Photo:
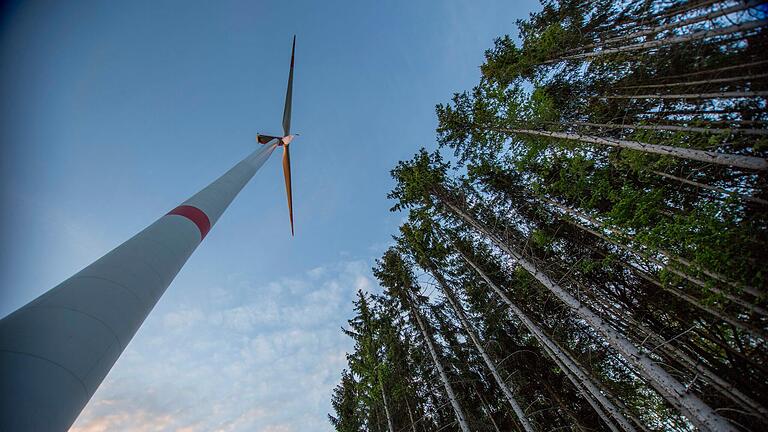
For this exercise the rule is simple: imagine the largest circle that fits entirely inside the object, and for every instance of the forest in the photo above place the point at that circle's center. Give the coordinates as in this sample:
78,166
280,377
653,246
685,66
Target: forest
585,247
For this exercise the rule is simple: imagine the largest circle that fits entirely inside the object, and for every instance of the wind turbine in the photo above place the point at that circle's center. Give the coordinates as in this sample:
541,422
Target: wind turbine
56,350
285,140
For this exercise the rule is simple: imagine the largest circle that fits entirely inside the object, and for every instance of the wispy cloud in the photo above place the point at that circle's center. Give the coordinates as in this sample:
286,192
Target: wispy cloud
265,359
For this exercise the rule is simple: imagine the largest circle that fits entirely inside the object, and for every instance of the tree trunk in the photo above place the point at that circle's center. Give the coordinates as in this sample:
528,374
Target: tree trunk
685,7
725,68
725,388
668,256
729,131
712,188
749,25
699,413
747,162
677,24
693,83
713,95
696,112
460,417
487,410
580,387
410,415
453,300
574,371
390,424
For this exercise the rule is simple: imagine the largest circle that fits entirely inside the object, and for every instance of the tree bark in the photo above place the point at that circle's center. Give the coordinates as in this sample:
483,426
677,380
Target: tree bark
693,83
677,24
410,415
698,412
574,371
667,255
713,95
390,424
453,300
725,388
746,162
729,131
695,112
721,69
460,417
686,7
749,25
712,188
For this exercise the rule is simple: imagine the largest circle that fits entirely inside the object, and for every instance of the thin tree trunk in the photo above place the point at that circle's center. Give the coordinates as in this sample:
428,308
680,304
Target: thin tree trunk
460,417
453,300
574,371
712,188
693,20
701,112
747,162
749,25
487,410
729,131
732,122
670,257
410,415
725,388
757,332
725,68
712,95
686,7
566,411
698,412
693,83
378,420
580,387
390,425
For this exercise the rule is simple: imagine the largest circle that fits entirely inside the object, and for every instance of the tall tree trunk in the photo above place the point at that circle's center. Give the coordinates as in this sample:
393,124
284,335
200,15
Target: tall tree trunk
711,95
712,188
693,83
390,424
696,112
729,131
581,388
676,24
679,10
747,162
453,300
749,25
756,332
727,389
698,412
410,415
668,256
574,371
487,410
721,69
460,417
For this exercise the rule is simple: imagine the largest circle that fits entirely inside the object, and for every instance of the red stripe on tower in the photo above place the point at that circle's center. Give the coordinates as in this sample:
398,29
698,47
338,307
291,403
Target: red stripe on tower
197,216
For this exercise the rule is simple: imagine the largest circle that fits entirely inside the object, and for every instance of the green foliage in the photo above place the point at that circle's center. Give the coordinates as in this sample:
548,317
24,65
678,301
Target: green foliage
417,179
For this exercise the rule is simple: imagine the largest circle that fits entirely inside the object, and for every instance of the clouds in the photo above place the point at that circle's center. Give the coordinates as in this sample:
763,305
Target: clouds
255,358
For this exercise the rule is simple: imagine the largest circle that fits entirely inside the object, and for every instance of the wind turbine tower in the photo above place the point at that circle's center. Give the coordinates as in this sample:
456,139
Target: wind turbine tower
56,350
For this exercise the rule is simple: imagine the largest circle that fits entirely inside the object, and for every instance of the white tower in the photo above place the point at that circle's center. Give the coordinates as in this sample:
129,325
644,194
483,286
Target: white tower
57,349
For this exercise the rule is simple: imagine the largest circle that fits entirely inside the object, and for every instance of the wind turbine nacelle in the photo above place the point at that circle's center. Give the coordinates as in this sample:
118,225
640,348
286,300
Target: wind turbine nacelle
266,139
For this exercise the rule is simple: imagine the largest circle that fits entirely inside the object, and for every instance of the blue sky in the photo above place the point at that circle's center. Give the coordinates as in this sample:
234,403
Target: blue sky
115,112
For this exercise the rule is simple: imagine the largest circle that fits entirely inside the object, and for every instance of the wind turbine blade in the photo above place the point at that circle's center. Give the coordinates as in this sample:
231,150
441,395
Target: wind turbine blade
287,175
289,95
